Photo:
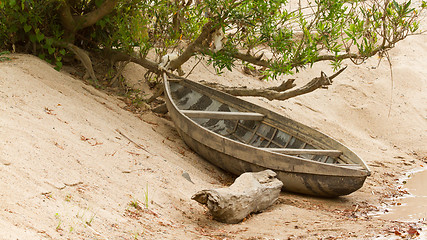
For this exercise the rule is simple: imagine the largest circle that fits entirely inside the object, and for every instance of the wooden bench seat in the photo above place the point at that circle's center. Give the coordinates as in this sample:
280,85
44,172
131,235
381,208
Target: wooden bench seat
292,151
223,115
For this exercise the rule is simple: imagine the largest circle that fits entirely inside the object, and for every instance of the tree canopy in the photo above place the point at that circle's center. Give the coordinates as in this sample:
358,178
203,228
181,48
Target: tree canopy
273,37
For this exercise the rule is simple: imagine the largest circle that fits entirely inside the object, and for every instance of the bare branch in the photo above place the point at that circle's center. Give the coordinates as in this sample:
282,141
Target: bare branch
251,59
251,92
117,56
283,92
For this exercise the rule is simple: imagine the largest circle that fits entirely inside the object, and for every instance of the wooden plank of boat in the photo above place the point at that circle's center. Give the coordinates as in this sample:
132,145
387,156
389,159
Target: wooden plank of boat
174,79
223,115
290,151
352,166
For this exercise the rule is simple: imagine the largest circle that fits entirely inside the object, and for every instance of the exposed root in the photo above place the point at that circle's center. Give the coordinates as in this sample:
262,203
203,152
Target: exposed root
84,59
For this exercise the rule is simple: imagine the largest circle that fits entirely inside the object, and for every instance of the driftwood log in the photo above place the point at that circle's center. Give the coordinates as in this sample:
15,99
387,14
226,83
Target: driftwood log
251,192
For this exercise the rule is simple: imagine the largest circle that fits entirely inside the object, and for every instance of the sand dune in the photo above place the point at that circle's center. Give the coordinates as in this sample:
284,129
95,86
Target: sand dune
75,165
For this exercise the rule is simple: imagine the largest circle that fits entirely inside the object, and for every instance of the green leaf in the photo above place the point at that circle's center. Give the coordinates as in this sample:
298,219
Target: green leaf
2,59
33,38
39,36
98,3
49,41
101,23
58,66
13,28
22,19
62,51
51,50
27,28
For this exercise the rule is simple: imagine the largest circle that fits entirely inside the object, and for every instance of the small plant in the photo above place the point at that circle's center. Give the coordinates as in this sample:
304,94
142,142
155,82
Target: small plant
146,197
89,222
2,59
137,235
58,227
82,217
134,203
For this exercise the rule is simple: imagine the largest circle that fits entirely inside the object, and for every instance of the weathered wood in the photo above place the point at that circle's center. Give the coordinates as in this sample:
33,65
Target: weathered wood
251,192
161,109
282,92
174,80
353,166
235,148
291,151
223,115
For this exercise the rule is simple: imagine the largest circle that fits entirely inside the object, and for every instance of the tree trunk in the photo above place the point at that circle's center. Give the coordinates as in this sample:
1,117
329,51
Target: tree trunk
72,23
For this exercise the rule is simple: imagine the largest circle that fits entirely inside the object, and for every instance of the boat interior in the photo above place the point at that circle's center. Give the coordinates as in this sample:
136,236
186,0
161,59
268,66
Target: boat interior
245,127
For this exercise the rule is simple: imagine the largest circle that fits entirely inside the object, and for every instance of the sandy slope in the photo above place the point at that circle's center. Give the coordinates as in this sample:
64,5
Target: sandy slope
72,160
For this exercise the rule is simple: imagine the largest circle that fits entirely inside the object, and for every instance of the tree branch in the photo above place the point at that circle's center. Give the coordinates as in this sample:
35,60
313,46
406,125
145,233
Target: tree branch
267,63
207,30
282,92
251,59
67,19
91,18
117,56
72,23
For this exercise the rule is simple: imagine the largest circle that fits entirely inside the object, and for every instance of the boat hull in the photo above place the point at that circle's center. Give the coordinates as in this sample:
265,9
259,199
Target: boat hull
297,175
310,184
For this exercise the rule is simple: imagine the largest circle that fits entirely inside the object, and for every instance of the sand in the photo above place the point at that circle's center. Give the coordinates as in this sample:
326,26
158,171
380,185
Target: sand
75,164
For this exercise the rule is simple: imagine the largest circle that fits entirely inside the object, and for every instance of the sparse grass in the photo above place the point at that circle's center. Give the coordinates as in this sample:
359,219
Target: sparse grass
89,222
58,227
137,235
146,200
135,99
134,203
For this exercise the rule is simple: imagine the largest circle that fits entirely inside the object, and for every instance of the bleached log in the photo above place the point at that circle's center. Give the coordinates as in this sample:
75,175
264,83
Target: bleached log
251,192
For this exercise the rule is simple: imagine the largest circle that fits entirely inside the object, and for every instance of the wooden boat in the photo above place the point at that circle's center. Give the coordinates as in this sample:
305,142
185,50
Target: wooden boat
239,137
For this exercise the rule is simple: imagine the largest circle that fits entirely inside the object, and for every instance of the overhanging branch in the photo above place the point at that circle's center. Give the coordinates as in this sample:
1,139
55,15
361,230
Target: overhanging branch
91,18
283,92
72,23
193,47
252,59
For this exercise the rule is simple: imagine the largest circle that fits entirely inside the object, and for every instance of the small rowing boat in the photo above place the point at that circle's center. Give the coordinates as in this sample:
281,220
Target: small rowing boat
239,137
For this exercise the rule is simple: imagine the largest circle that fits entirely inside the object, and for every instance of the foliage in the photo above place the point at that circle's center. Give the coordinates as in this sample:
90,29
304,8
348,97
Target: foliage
281,37
24,24
4,58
